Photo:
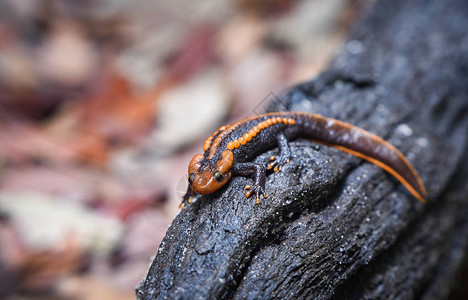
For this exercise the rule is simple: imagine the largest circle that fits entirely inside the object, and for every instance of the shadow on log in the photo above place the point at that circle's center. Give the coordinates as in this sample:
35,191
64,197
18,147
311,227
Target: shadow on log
334,226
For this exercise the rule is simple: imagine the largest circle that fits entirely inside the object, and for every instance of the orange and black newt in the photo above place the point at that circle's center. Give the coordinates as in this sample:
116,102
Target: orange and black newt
230,149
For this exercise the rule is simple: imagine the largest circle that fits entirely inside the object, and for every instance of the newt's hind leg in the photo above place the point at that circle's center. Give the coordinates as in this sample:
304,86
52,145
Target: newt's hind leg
277,162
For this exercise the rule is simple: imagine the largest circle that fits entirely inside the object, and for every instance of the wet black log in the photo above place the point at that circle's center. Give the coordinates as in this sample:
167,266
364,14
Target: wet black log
334,226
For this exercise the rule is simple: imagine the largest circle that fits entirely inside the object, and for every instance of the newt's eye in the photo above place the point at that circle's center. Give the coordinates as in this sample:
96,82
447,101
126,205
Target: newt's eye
191,178
218,176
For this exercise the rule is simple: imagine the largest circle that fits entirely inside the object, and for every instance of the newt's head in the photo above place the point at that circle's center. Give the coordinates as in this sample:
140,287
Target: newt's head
205,177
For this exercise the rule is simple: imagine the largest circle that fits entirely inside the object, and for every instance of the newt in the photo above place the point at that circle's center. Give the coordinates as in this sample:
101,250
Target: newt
229,150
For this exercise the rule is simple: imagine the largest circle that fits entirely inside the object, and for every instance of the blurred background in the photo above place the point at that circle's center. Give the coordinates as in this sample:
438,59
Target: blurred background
103,104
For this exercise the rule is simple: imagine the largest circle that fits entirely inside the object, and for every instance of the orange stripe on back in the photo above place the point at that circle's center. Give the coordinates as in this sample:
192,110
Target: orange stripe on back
247,137
230,128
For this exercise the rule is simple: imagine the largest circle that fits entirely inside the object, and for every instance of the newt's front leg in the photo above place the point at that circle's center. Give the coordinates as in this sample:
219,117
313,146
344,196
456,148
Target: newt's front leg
248,168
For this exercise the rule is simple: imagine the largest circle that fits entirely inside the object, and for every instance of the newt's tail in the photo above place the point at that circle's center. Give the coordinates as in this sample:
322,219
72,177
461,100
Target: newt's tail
370,147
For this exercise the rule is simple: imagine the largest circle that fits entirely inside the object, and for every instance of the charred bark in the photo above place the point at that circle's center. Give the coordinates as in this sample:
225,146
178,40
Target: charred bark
334,226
